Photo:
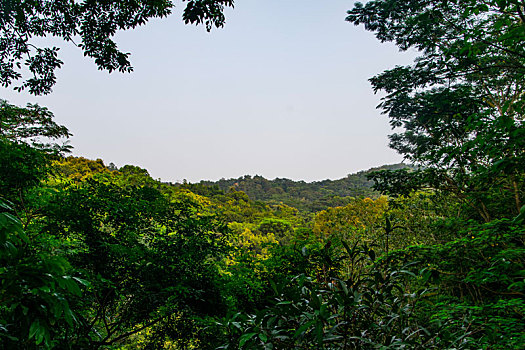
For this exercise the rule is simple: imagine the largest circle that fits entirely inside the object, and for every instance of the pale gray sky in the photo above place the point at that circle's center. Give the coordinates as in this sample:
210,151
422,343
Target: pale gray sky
280,91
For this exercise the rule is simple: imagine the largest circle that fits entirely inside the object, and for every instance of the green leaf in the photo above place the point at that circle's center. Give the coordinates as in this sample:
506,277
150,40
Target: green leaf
70,285
245,337
300,331
263,337
83,282
34,328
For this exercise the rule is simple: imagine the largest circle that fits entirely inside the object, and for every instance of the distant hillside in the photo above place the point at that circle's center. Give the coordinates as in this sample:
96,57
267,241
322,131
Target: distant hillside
305,196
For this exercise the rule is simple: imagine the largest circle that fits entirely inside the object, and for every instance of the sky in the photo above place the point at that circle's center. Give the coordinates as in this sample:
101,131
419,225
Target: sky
281,91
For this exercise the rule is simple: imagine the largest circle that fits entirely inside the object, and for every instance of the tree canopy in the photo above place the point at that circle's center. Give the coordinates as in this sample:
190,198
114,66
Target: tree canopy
460,106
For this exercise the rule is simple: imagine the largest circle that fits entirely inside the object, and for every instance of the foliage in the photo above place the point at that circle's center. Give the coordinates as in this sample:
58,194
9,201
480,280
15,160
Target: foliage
30,125
28,143
461,103
150,258
480,284
78,168
362,311
89,24
307,197
159,266
36,288
21,168
255,242
357,221
92,256
461,109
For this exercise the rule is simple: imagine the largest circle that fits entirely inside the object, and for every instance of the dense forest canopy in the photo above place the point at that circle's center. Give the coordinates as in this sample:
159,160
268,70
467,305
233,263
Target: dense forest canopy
312,197
432,257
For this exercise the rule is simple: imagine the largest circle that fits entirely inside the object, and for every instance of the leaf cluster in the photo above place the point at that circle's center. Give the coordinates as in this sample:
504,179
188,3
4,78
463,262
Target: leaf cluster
89,24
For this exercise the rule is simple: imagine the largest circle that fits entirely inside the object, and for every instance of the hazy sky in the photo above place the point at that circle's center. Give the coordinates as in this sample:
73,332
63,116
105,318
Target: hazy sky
280,91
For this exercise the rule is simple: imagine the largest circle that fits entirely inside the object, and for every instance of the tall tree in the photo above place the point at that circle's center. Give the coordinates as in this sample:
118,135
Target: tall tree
36,285
29,139
460,104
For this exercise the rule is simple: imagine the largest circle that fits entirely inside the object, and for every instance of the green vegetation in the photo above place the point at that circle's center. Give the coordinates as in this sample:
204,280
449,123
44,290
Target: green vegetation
310,197
433,257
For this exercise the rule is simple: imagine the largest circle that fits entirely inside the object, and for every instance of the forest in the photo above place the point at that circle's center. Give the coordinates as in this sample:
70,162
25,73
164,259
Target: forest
429,254
305,196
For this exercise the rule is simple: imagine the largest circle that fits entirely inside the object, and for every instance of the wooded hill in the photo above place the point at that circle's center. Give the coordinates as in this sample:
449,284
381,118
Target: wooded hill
305,196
